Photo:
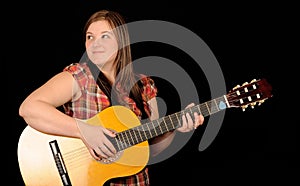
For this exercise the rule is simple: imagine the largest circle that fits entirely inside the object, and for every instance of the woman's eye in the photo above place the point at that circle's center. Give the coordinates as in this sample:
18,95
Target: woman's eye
105,36
88,37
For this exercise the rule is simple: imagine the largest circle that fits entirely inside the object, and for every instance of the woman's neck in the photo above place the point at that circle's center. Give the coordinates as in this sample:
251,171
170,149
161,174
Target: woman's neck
109,72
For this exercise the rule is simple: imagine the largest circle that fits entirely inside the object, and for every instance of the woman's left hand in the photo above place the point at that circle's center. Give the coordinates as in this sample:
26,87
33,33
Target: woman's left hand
188,123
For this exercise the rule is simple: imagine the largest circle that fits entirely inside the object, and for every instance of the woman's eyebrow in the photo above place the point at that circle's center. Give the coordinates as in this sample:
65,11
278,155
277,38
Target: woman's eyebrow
107,32
104,32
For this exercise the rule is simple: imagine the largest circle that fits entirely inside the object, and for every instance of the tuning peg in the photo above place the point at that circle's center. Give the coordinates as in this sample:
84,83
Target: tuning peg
253,104
260,102
253,80
246,83
244,107
236,87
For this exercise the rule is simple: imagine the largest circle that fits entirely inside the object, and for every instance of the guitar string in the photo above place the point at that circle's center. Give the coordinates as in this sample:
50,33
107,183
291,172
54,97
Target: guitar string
163,127
77,157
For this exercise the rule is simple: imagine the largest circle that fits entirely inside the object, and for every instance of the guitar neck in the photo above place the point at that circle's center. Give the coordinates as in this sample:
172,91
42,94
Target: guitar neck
133,136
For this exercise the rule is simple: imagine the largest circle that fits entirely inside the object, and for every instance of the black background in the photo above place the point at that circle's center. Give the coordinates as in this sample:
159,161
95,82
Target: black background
249,40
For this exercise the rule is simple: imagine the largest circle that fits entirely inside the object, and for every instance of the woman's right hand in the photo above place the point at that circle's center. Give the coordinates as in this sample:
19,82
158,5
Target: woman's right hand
94,138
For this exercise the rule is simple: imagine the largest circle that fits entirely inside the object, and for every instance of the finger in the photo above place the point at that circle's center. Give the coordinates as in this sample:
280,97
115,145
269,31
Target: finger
201,119
94,154
190,122
109,132
187,123
107,143
190,105
182,128
102,152
106,152
109,151
184,122
197,120
108,147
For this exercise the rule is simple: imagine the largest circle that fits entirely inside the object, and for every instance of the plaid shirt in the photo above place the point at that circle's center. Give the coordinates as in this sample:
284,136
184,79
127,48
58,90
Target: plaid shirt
93,100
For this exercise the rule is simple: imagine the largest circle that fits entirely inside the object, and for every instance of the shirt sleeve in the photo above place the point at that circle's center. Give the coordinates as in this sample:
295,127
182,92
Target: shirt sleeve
71,68
149,88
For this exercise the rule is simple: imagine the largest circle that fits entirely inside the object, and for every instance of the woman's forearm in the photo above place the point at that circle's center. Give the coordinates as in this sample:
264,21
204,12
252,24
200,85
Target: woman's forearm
48,119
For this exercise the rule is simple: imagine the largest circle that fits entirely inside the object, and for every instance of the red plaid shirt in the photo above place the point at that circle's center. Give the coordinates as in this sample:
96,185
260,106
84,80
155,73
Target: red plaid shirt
93,100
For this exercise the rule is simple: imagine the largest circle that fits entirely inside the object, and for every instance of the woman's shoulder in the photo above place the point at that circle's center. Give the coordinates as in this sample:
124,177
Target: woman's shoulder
76,67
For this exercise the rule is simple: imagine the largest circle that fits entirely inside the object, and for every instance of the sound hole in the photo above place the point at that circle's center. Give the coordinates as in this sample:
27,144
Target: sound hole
111,159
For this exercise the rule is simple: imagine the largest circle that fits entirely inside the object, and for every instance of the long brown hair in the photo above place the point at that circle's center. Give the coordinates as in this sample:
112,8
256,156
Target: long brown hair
123,62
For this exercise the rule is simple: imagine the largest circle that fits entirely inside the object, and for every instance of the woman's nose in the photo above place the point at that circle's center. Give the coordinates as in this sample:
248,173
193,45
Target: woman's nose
97,42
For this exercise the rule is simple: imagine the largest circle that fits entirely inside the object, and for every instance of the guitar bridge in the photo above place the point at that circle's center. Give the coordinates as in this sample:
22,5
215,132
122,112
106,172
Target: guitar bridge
60,163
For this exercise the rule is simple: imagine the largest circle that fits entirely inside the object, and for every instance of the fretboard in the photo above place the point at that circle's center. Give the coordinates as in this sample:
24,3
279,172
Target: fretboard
143,132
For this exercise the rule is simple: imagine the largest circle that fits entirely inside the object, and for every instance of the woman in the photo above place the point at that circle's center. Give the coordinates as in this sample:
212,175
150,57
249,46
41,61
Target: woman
84,89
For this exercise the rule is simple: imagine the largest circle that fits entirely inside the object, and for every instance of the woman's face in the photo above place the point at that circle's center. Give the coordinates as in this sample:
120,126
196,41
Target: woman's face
101,44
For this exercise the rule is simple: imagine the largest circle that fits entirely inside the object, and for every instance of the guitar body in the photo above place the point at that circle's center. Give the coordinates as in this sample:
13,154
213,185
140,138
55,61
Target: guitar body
38,166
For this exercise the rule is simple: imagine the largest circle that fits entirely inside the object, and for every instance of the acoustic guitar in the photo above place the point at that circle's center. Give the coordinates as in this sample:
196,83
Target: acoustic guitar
48,160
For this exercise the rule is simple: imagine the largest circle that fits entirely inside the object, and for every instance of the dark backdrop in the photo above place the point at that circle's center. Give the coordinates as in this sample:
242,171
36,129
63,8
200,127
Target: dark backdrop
248,40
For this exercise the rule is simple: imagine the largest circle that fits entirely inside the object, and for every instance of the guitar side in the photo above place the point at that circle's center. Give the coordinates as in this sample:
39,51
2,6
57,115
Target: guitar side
38,168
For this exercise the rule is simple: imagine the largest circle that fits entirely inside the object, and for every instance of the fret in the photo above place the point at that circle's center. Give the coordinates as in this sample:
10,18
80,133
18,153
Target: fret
127,137
192,110
160,122
167,123
207,108
204,109
178,119
130,139
215,101
146,132
212,108
199,110
141,138
159,125
178,124
188,110
117,141
173,126
227,103
141,135
123,140
149,130
131,136
145,135
149,134
154,127
135,137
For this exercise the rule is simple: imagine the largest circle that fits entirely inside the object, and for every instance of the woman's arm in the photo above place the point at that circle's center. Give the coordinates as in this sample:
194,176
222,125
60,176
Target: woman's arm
160,143
39,109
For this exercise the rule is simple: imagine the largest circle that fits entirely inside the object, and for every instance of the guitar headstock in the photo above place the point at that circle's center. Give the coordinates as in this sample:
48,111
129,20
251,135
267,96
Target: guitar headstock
249,94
